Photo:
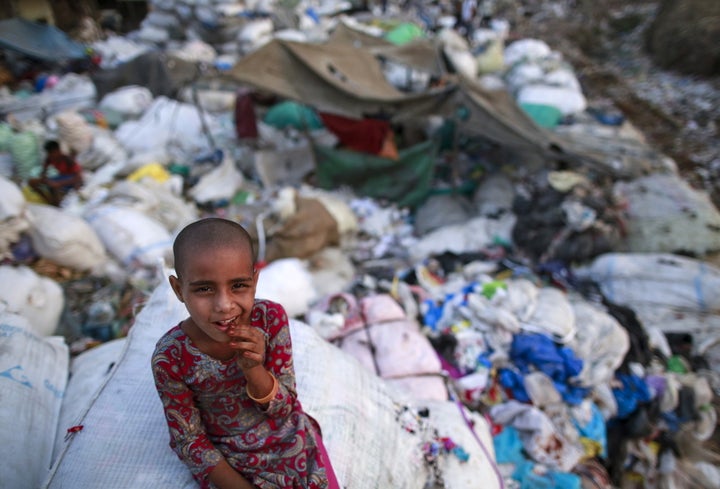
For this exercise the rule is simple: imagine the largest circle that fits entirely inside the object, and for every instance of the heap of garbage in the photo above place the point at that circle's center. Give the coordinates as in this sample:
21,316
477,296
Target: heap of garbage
445,206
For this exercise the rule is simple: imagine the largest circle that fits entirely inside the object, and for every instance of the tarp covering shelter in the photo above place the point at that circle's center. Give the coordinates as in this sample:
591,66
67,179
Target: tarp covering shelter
40,41
405,181
341,78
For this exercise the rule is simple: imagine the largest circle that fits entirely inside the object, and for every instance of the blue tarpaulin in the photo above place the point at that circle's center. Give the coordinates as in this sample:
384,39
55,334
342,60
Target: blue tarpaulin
41,41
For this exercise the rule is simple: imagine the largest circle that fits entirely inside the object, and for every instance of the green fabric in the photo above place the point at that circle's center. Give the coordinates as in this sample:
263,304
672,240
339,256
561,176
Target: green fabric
489,289
544,115
6,134
404,33
405,181
676,364
292,114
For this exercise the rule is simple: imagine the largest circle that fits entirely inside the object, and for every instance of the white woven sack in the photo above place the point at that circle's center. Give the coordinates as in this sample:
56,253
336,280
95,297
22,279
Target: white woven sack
38,299
129,235
130,100
451,421
12,201
125,431
566,100
665,214
65,238
104,149
167,122
156,200
660,279
33,375
88,373
526,50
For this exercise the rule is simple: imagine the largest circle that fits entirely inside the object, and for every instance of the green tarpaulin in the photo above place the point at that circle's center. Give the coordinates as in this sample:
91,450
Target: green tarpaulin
405,181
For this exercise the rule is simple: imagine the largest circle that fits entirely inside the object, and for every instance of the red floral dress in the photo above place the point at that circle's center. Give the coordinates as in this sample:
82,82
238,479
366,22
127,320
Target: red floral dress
211,417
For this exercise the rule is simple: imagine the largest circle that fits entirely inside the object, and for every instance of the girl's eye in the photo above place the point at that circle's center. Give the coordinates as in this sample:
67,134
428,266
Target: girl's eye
239,285
202,289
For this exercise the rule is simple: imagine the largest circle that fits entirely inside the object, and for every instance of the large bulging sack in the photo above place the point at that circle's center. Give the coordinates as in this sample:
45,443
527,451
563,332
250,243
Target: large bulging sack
372,433
12,201
13,219
666,215
38,299
131,236
33,375
64,238
130,100
389,344
87,373
661,280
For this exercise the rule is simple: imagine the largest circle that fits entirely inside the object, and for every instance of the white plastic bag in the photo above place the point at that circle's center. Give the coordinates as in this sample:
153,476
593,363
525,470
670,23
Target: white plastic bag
219,183
38,299
289,282
130,100
64,238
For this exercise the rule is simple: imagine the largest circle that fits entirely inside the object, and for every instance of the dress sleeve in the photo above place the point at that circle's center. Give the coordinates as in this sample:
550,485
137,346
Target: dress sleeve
188,438
279,359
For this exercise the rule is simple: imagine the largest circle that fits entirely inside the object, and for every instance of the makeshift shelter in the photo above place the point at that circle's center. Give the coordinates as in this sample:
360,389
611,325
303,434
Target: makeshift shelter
344,76
347,80
40,41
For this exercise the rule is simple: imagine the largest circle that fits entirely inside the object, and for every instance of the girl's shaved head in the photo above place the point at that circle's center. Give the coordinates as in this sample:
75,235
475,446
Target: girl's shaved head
205,234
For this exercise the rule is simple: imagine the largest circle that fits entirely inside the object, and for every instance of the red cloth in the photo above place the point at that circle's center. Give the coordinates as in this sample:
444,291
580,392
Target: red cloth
364,135
65,165
245,118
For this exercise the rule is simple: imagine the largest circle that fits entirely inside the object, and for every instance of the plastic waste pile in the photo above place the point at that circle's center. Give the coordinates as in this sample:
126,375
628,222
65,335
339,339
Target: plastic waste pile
570,313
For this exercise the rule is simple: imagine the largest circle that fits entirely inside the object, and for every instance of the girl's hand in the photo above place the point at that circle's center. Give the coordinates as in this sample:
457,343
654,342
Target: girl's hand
250,343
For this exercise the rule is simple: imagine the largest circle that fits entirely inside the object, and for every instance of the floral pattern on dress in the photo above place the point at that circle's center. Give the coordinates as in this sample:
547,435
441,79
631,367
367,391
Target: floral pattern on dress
210,415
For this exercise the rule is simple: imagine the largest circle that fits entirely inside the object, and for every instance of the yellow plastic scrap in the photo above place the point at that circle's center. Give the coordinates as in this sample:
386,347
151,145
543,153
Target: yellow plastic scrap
156,171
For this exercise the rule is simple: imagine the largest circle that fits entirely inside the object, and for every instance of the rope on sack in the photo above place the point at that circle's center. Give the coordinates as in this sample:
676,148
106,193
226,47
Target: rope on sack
454,397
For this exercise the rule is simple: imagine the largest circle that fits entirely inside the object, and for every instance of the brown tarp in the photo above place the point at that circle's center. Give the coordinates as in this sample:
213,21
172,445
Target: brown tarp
346,80
345,77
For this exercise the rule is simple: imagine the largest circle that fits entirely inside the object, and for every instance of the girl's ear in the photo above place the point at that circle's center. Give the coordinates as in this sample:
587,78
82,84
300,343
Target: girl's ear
176,286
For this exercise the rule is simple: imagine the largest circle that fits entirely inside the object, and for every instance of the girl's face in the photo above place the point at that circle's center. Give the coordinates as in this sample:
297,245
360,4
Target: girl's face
218,289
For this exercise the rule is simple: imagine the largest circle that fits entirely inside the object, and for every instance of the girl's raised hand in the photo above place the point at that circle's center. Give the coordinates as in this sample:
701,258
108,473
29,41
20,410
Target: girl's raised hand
250,344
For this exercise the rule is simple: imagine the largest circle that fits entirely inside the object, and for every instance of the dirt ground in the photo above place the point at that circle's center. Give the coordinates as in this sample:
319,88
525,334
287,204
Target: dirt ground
604,42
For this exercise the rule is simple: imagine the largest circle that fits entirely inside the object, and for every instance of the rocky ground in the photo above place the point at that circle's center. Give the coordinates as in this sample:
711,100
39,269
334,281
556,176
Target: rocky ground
604,40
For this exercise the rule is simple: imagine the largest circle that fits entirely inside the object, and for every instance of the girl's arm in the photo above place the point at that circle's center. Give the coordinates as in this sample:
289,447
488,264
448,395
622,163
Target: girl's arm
187,437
